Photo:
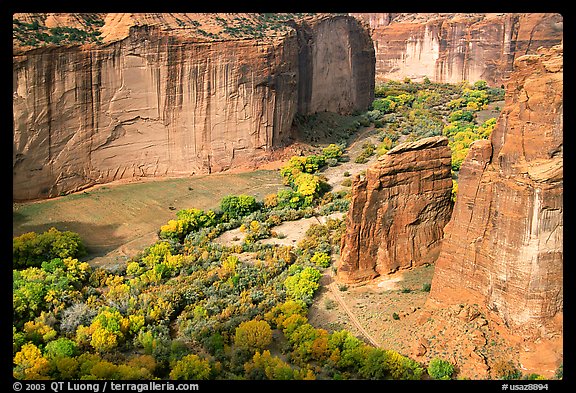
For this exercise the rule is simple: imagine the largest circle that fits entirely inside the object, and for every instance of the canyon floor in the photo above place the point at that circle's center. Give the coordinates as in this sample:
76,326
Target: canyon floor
120,219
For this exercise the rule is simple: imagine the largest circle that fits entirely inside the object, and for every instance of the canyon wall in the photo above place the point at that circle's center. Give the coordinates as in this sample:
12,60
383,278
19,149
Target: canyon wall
155,100
455,47
503,247
336,66
398,211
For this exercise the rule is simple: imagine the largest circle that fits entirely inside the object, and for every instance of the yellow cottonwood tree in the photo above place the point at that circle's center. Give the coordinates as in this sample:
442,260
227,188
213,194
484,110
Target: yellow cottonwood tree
253,335
30,364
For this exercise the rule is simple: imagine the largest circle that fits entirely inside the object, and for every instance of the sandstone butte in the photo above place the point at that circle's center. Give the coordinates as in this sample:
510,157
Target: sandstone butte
398,211
158,99
503,247
454,47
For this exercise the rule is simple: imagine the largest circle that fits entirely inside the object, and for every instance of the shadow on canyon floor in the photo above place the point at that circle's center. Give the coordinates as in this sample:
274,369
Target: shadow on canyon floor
98,239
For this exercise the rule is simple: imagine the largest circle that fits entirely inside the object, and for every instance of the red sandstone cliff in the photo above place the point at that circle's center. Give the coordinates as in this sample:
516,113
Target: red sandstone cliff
503,247
173,94
398,211
456,47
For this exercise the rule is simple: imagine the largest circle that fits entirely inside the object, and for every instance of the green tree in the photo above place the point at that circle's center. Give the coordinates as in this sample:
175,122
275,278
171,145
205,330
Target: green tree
31,249
188,220
402,367
297,165
236,206
461,115
61,347
303,285
290,198
480,85
374,366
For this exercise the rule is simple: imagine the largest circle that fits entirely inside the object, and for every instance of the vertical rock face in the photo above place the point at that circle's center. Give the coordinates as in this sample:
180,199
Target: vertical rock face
149,105
153,101
503,247
456,47
398,211
336,65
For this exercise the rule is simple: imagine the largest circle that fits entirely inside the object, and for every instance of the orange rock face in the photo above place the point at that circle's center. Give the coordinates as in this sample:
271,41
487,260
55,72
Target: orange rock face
155,99
503,247
398,211
455,47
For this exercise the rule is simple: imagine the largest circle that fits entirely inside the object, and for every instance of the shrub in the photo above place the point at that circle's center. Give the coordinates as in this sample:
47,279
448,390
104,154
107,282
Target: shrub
404,99
75,315
366,153
271,201
346,182
332,151
559,374
384,146
454,192
332,162
329,304
384,105
440,369
321,259
461,115
505,370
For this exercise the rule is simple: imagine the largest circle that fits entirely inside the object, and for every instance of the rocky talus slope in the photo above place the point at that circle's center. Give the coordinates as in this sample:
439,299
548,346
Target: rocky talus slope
398,211
171,94
455,47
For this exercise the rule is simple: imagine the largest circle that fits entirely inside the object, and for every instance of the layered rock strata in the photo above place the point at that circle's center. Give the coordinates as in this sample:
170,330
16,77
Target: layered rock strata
456,47
503,247
398,211
154,100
